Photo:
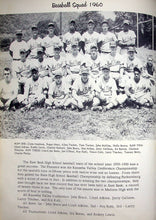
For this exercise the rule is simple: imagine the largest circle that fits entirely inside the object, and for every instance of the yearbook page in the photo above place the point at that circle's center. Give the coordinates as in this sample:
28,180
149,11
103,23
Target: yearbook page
77,110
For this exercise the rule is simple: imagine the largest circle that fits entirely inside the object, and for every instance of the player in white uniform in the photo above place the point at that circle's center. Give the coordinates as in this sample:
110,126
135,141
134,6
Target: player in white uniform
57,62
106,90
21,70
93,62
8,90
71,36
16,45
126,38
49,41
83,90
73,63
58,92
90,37
105,38
138,90
34,43
33,92
131,61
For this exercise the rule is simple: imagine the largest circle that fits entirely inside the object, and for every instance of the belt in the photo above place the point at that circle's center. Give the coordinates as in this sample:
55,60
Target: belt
16,59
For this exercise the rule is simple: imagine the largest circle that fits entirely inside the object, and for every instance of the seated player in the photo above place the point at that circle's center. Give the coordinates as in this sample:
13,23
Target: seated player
70,36
33,93
56,62
34,43
58,92
83,90
8,90
89,37
21,70
73,63
126,38
131,61
49,41
138,90
93,62
106,90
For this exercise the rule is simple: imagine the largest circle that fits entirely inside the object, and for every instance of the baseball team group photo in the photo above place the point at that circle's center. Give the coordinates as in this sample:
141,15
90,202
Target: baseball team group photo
87,75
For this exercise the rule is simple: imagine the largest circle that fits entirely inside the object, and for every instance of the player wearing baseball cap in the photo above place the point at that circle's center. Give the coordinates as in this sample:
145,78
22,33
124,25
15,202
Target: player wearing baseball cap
126,37
105,38
138,90
34,43
51,39
16,45
70,36
89,37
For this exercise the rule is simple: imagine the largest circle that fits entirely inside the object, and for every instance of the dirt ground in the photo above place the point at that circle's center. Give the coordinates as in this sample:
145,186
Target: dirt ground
125,124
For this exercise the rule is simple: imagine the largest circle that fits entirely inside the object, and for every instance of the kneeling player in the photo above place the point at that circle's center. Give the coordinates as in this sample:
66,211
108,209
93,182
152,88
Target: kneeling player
83,90
8,90
58,94
106,90
138,90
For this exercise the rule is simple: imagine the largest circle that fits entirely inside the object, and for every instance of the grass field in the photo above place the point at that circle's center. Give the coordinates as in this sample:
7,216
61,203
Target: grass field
126,123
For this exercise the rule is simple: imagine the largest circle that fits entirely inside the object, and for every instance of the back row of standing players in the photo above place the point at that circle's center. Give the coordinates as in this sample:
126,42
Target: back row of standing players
96,69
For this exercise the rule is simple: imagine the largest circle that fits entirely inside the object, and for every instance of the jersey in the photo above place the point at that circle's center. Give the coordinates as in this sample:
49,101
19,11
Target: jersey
74,63
8,90
114,62
33,44
130,64
90,39
70,37
58,91
34,88
83,89
126,36
93,65
106,39
15,47
49,42
43,67
109,87
21,69
54,64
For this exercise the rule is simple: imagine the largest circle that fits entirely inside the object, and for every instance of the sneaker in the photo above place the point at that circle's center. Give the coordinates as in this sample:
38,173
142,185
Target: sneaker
96,108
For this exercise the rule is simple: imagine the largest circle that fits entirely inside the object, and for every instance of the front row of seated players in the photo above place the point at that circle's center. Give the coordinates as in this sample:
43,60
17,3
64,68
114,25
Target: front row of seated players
83,93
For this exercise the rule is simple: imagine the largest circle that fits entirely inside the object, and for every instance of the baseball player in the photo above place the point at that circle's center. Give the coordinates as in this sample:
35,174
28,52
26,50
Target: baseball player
73,63
131,61
83,90
49,41
58,92
138,90
105,38
16,45
21,70
34,43
126,38
70,36
8,90
106,90
90,37
33,92
57,62
94,62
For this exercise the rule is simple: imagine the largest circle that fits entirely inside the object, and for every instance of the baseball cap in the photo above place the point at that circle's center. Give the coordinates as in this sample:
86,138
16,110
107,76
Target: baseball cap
93,46
126,22
57,46
58,73
91,21
131,49
74,43
105,22
22,50
136,69
84,70
112,44
72,21
18,32
51,24
34,27
40,49
106,66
